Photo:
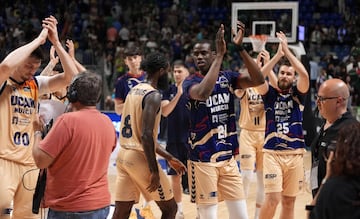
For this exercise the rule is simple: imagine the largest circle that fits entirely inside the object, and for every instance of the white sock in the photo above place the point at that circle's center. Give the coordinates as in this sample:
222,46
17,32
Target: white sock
237,209
208,211
260,195
257,212
180,208
246,176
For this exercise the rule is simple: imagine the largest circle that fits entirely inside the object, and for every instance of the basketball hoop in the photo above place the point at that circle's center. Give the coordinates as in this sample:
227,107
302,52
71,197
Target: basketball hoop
258,42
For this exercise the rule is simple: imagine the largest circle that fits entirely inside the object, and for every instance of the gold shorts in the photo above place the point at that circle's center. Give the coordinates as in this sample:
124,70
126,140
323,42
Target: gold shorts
210,183
133,177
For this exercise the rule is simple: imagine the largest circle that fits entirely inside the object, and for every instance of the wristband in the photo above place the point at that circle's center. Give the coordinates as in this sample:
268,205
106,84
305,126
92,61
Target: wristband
240,47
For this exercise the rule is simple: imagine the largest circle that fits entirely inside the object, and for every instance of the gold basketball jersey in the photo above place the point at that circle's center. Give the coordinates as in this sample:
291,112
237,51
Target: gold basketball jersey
18,106
252,112
131,119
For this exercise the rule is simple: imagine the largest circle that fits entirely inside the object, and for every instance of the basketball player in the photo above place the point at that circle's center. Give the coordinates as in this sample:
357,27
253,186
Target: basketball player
251,139
284,140
76,153
124,83
173,107
19,96
213,171
138,169
135,75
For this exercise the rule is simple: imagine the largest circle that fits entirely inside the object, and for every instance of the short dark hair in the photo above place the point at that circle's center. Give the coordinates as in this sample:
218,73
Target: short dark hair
179,62
206,41
38,53
153,62
86,88
132,51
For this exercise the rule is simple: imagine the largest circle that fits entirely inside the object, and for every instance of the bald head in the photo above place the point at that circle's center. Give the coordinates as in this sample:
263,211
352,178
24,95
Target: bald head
332,99
335,87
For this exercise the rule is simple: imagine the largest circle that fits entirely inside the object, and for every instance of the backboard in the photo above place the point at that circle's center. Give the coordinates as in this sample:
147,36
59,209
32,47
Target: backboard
266,18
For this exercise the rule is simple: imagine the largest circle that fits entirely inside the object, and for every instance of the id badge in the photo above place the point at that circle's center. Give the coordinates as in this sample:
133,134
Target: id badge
314,175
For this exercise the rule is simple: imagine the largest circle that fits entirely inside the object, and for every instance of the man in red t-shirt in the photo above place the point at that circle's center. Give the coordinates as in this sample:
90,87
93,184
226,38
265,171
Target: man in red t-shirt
76,154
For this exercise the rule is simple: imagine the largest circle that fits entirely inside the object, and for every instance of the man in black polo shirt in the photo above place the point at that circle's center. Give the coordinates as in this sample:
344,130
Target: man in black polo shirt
332,102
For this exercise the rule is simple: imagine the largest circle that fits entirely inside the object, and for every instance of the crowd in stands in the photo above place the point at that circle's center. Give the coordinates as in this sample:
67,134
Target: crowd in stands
101,29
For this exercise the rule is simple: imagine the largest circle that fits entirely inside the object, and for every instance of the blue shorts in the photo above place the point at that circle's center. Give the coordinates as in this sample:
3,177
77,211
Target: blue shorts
95,214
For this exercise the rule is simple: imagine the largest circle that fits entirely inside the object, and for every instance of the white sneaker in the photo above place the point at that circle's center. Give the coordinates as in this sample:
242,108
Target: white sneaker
179,215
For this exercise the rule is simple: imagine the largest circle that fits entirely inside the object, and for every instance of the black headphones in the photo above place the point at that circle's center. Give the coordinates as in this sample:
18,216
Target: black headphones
84,81
71,93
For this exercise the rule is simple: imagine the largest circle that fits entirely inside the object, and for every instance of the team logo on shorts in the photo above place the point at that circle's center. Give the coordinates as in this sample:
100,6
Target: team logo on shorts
270,176
213,194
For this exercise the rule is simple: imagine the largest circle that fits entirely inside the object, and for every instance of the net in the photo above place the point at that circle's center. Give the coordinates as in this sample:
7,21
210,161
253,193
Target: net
258,42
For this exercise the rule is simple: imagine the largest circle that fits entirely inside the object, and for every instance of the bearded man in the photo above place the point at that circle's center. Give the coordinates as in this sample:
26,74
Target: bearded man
284,146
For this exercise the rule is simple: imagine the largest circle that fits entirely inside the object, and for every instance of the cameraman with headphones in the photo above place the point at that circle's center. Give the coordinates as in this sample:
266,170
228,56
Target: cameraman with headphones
76,153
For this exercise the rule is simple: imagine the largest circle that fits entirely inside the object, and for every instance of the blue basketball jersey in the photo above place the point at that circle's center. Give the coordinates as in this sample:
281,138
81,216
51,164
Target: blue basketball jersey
213,135
284,116
125,83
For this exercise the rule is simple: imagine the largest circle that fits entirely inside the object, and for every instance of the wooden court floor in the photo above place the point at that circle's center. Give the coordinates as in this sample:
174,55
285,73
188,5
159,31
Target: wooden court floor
190,209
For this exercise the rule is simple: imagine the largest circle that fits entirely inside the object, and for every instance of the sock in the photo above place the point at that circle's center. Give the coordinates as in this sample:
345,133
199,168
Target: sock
257,212
237,209
246,176
259,193
180,208
208,211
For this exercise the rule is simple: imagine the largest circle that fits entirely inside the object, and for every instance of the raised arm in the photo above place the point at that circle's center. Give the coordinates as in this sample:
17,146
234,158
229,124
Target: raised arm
59,81
267,70
19,55
70,46
265,56
303,82
255,77
50,66
168,106
204,89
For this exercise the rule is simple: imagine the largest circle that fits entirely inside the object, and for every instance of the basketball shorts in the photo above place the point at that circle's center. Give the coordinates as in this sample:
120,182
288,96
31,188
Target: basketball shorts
17,185
133,178
283,173
251,146
210,183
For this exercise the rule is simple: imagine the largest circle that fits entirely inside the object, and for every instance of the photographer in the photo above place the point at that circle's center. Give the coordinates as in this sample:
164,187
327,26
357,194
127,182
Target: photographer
332,101
76,153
